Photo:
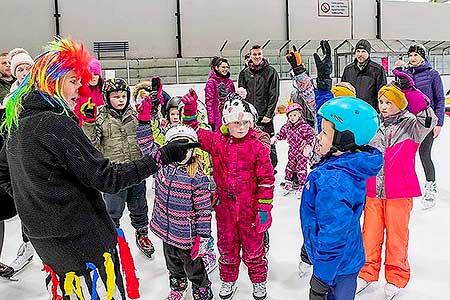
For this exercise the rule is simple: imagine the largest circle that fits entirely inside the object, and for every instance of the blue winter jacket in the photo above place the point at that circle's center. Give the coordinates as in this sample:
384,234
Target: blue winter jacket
429,82
332,203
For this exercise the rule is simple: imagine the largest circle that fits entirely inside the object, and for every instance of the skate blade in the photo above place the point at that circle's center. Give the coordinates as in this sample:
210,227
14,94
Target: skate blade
11,279
363,289
29,261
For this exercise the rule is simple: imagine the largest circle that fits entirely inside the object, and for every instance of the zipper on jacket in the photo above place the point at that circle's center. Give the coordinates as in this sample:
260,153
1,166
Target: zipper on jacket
167,201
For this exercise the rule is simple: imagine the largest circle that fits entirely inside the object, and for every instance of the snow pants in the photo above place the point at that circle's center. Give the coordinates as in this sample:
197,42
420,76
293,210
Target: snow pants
136,200
236,231
297,164
393,216
343,288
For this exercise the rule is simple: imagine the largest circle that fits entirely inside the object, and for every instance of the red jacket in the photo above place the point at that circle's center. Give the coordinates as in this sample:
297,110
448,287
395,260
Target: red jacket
242,169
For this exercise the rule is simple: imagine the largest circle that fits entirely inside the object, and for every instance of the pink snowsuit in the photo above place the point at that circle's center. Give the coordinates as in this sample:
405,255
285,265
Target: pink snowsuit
243,175
213,105
297,136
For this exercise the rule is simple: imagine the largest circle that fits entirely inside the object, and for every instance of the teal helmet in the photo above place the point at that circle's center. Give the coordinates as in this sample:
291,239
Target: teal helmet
355,121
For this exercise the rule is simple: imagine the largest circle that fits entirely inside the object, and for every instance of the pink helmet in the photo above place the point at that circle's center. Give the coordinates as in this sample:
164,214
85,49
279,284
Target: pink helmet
292,107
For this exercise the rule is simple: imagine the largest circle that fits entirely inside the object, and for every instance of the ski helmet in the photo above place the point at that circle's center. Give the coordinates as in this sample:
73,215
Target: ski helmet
173,102
234,110
115,85
355,121
292,107
178,132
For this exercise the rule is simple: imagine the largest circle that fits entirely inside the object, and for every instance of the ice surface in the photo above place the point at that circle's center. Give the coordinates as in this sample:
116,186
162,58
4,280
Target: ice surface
429,248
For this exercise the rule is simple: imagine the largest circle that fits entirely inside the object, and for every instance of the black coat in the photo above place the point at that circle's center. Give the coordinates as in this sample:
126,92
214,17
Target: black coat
263,88
367,81
56,175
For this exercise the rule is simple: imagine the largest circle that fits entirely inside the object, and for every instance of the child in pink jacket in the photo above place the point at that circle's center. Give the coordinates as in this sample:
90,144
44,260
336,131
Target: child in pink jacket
390,194
298,134
245,182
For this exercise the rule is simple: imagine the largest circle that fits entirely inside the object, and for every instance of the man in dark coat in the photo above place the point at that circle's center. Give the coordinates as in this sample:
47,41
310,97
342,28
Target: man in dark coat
263,88
365,75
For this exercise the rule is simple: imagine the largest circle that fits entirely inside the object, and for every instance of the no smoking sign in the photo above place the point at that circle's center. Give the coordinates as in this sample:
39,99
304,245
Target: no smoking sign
333,8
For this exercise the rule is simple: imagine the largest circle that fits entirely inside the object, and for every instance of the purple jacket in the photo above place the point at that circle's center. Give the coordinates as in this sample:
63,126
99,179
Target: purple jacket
429,82
212,97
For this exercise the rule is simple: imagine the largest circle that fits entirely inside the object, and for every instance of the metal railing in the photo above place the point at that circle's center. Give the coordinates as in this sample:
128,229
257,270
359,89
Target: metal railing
195,70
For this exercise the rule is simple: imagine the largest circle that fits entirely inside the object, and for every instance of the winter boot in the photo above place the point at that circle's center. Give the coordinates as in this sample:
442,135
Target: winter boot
259,291
210,261
24,257
143,242
391,291
361,285
304,269
287,188
178,288
227,290
429,198
6,271
202,293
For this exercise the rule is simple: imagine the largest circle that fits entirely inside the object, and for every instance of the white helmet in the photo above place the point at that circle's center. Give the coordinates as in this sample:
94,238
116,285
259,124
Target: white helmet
178,132
234,109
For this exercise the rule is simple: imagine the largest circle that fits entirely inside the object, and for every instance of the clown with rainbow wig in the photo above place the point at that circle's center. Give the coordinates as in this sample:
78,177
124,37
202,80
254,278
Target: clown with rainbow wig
55,176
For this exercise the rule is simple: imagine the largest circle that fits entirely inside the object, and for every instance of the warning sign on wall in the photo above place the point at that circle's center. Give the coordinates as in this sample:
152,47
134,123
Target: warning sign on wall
334,8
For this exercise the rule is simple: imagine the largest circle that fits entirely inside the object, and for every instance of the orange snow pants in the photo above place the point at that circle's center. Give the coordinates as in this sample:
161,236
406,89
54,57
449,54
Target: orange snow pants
392,215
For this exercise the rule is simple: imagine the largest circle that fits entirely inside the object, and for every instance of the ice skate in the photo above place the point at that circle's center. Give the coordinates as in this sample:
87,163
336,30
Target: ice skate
429,198
259,291
210,261
287,188
176,295
143,242
202,293
361,285
6,272
24,257
227,290
391,291
304,269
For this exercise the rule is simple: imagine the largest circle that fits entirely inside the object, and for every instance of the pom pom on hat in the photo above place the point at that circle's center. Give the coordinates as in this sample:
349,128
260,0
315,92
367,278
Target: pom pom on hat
395,95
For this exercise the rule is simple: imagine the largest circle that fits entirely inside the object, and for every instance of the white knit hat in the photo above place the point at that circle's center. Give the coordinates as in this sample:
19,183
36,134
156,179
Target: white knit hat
234,109
19,56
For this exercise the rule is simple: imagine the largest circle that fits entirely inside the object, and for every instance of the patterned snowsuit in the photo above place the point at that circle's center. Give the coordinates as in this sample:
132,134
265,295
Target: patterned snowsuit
243,175
297,136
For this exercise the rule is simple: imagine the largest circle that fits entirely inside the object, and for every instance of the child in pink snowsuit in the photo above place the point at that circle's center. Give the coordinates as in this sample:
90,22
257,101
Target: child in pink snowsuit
298,134
245,182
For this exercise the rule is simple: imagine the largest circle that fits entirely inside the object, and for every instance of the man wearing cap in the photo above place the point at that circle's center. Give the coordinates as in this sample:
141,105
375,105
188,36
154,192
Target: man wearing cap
365,75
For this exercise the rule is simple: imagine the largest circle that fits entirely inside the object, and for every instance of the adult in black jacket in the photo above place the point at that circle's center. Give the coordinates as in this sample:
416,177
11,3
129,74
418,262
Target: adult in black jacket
55,176
262,84
365,75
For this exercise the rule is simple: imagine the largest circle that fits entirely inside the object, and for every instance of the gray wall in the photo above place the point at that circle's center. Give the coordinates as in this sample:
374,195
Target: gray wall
150,25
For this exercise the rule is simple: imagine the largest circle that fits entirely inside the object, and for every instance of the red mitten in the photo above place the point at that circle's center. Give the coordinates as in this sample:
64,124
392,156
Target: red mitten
190,107
200,247
144,109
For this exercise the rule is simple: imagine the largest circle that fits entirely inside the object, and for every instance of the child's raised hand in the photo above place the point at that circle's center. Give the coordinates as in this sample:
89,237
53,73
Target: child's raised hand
190,103
144,109
403,80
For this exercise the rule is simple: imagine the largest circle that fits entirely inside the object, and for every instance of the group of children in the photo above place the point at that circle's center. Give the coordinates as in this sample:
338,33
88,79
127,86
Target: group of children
355,166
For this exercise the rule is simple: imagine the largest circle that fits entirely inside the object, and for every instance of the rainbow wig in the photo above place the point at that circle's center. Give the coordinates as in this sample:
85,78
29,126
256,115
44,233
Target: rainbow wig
47,77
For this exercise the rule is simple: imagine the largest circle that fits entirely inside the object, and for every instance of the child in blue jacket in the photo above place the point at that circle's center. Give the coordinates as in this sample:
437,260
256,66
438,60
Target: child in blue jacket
334,194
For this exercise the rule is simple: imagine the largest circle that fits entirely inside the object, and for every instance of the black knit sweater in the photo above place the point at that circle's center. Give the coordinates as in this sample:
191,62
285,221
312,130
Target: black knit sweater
56,176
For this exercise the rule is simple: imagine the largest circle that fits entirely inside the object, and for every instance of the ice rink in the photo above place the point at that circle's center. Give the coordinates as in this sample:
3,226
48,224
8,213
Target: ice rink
428,248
